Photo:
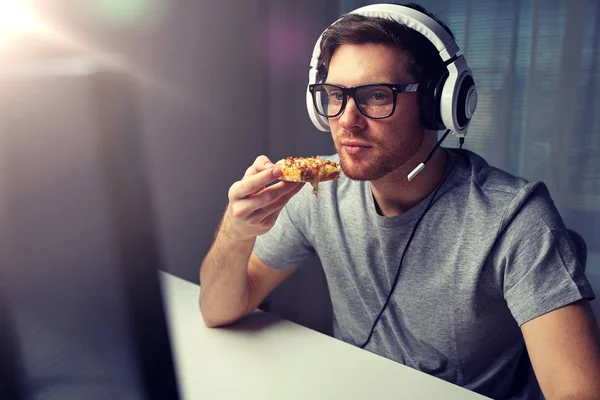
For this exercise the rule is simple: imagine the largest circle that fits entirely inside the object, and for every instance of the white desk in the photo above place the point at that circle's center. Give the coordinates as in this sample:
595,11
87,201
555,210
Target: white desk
264,357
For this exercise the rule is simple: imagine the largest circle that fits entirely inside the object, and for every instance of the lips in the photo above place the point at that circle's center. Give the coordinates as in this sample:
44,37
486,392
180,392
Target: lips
354,148
355,143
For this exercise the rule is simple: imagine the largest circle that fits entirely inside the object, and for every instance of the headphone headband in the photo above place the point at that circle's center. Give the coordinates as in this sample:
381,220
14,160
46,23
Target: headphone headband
418,21
437,35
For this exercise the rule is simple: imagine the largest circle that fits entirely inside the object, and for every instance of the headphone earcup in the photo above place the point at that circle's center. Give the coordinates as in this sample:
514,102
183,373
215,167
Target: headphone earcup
430,97
319,121
466,101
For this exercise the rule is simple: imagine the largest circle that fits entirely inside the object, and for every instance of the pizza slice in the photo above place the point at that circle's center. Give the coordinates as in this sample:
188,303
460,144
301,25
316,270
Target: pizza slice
308,169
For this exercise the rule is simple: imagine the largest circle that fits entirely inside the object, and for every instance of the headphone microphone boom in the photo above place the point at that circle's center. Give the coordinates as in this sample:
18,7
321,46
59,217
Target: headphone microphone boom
447,101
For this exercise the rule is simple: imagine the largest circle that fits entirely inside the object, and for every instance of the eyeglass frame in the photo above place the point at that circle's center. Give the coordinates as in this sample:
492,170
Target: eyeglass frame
397,88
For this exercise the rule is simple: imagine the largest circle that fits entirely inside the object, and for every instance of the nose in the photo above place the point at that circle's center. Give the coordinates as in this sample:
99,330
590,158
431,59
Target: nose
351,117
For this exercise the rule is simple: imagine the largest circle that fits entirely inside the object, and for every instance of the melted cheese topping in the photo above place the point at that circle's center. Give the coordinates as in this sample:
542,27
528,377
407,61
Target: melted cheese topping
309,169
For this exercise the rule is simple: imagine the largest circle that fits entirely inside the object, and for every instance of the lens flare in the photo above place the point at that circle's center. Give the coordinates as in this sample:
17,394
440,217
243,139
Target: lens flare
19,22
126,13
15,18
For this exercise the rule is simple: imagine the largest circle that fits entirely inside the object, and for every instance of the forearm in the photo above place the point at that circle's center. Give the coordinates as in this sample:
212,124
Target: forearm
224,289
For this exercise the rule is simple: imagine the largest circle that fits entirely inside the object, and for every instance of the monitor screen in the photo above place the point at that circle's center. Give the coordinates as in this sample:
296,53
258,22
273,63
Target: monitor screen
80,301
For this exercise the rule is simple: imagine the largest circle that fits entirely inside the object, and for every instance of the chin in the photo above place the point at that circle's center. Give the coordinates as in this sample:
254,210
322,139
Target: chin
364,170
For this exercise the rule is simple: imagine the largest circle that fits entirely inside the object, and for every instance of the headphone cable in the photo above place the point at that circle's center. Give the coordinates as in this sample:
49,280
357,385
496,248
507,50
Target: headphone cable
412,234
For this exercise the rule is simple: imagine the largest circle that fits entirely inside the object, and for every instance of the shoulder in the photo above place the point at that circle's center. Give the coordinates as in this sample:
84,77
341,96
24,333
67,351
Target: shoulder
515,205
505,194
484,177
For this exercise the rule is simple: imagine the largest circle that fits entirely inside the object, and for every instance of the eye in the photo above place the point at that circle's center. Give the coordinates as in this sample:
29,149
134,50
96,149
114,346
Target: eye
336,95
378,96
375,95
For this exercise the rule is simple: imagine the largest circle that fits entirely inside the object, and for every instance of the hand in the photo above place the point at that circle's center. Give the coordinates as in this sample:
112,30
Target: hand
253,207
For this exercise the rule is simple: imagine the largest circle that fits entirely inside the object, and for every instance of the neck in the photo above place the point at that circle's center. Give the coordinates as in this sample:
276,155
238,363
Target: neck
394,194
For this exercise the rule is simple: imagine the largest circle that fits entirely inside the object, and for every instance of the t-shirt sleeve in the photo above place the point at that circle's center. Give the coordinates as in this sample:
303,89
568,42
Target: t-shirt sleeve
537,258
286,245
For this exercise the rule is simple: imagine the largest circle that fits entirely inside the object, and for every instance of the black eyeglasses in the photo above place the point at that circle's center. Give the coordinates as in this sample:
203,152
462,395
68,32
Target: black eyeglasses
375,101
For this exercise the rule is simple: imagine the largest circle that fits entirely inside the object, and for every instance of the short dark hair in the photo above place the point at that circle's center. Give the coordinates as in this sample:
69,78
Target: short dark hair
424,60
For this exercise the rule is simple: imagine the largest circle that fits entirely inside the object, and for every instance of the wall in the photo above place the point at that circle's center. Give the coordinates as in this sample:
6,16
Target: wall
201,80
219,82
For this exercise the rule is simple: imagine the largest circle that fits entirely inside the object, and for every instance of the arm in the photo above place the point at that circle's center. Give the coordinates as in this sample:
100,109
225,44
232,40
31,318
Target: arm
234,281
237,288
547,292
564,348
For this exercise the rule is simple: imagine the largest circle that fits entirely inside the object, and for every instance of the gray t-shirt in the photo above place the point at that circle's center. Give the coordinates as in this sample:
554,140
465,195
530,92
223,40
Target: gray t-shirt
490,254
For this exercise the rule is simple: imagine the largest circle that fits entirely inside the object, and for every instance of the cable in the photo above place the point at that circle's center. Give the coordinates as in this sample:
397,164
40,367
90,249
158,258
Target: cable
461,141
436,146
412,234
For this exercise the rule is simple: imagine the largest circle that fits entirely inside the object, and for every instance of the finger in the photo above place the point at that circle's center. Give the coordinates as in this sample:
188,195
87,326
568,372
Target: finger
260,164
271,219
271,212
253,183
271,194
262,214
278,185
245,208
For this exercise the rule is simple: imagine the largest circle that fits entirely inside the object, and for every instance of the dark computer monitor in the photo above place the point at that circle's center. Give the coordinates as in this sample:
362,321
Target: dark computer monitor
81,312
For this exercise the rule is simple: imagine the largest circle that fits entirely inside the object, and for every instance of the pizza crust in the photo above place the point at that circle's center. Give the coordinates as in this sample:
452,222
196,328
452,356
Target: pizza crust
308,169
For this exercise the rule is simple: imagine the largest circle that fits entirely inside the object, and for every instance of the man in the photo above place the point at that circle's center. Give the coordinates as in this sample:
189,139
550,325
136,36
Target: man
464,272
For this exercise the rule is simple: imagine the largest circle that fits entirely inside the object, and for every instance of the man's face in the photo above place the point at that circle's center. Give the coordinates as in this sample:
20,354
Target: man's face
369,148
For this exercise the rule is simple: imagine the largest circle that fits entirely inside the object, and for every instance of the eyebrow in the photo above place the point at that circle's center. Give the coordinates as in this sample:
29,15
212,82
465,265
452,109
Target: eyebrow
365,83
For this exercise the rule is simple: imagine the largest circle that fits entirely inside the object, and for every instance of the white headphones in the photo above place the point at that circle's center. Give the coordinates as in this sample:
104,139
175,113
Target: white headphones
447,101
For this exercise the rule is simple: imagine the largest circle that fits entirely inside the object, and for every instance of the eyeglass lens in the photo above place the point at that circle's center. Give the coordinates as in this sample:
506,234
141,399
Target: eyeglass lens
374,101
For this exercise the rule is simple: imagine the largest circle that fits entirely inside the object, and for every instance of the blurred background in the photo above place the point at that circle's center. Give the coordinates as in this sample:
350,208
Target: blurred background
211,84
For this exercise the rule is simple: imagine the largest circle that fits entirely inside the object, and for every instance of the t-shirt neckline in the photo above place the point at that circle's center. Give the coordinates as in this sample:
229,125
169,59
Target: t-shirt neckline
412,214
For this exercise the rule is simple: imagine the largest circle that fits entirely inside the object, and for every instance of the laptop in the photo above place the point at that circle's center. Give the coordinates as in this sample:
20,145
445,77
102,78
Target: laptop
81,312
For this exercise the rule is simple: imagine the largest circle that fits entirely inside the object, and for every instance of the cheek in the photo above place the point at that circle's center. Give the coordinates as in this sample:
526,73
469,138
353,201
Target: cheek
336,131
406,121
408,111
